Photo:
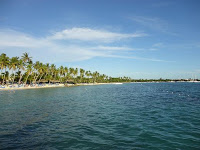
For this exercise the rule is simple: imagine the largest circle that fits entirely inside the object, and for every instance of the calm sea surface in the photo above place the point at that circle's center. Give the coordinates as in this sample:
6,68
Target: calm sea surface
128,116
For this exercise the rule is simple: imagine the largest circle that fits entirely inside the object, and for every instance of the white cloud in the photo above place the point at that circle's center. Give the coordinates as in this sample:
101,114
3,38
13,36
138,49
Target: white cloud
113,48
49,49
11,38
87,34
153,23
139,58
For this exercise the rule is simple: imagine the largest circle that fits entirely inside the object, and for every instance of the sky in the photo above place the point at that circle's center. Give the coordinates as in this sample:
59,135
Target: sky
147,39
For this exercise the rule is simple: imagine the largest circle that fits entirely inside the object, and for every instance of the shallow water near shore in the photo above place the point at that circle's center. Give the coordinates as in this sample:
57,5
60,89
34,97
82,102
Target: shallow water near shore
127,116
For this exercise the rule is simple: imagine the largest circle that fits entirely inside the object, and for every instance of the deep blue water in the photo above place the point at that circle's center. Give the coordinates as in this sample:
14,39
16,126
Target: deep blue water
128,116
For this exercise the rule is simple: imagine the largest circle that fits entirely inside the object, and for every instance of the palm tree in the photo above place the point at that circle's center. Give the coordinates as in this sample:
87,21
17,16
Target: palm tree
1,65
47,70
13,65
36,71
4,64
71,72
95,75
66,71
26,58
36,67
103,76
82,71
66,74
75,72
21,67
42,71
61,72
56,74
87,73
28,71
48,77
52,69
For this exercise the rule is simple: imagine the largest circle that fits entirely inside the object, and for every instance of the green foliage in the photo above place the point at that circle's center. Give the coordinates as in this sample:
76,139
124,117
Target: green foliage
24,70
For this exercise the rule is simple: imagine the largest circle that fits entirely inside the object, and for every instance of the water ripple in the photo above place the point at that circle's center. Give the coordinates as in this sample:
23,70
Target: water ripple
128,116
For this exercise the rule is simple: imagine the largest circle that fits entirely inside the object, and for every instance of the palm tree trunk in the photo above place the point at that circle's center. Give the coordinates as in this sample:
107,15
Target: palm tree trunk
20,78
40,77
5,76
13,79
35,78
3,80
27,79
1,76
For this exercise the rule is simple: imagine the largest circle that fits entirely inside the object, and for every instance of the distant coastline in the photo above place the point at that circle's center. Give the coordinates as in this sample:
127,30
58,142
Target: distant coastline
23,73
165,80
16,87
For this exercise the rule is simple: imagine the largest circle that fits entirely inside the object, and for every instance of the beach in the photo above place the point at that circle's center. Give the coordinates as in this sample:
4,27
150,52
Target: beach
16,87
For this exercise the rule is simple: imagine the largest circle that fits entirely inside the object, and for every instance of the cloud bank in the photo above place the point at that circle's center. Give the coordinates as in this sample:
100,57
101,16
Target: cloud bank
87,34
59,47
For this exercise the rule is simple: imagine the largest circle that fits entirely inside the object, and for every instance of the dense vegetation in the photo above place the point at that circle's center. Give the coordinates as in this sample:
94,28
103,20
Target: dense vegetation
24,70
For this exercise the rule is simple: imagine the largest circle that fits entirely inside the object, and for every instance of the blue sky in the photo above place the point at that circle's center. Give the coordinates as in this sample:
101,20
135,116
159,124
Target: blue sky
136,38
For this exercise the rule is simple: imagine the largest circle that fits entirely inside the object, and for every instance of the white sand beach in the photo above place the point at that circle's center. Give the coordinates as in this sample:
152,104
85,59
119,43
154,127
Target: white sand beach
36,86
24,87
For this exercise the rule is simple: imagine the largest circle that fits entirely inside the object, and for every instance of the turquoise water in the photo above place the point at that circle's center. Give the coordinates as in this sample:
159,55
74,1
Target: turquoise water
128,116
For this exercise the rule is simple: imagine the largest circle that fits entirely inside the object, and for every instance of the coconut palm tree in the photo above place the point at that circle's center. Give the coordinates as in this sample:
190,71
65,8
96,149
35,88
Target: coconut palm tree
13,66
36,68
75,73
26,58
66,71
52,69
82,72
29,70
42,70
4,64
49,78
87,73
102,78
95,75
47,69
56,74
71,72
21,67
66,74
61,72
1,65
36,71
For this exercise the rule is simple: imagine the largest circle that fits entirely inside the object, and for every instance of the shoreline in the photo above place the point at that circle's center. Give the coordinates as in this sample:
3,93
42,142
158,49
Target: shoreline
7,88
30,87
50,86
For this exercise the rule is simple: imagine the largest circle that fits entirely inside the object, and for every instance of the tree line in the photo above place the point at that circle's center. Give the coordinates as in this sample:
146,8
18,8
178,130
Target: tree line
22,70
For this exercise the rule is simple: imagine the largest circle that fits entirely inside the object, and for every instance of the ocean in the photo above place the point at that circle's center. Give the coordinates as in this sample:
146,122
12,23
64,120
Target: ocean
102,117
